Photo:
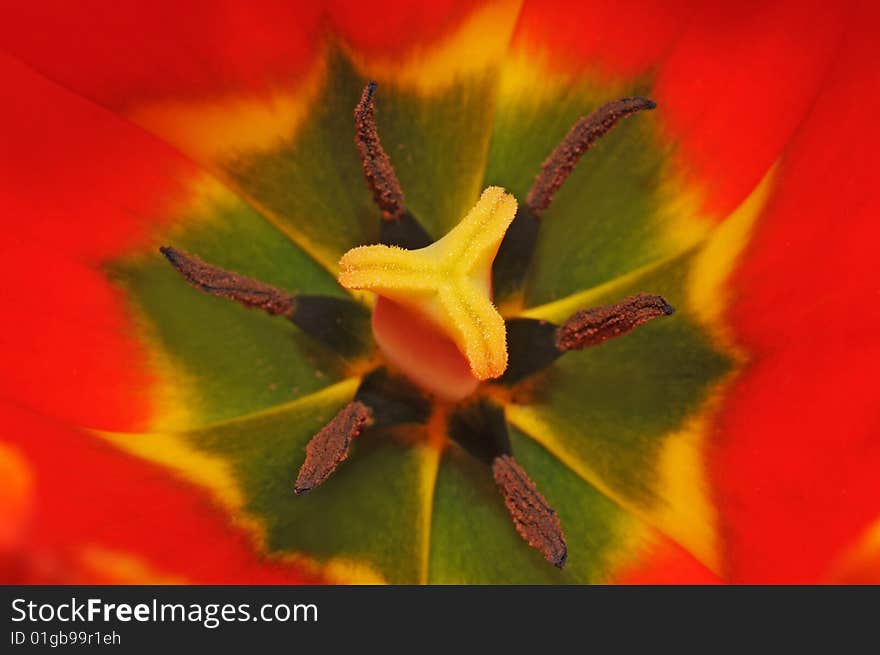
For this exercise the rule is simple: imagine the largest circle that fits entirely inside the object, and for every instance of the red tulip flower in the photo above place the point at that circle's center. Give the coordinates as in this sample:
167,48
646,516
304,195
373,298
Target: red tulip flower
454,355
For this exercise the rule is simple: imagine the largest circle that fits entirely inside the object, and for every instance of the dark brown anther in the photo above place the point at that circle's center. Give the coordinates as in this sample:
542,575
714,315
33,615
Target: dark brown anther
330,446
590,327
380,175
220,282
580,138
534,519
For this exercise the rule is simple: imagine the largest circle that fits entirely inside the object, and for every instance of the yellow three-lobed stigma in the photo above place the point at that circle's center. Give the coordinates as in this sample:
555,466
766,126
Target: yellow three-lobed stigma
449,282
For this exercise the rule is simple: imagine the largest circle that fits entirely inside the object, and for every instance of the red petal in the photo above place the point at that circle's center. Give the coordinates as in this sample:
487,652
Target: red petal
123,53
604,37
798,453
77,186
737,84
118,53
76,178
394,27
64,345
91,496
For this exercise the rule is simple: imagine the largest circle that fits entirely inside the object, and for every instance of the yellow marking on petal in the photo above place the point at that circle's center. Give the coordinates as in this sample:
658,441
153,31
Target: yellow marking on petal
478,44
16,496
335,570
860,560
532,424
213,129
176,453
683,233
529,80
342,570
632,537
205,199
679,218
707,290
429,465
869,544
686,511
448,282
430,453
124,568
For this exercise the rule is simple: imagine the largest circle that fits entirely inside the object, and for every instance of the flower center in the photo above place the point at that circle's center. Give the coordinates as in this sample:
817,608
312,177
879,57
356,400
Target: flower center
435,322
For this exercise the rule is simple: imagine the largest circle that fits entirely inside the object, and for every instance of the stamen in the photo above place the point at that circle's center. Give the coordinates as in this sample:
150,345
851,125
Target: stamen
343,325
580,138
533,345
330,446
381,400
533,517
219,282
377,166
399,227
590,327
480,428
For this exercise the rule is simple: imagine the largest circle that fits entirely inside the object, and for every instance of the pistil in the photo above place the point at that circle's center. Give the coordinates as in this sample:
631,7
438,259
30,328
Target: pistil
448,284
